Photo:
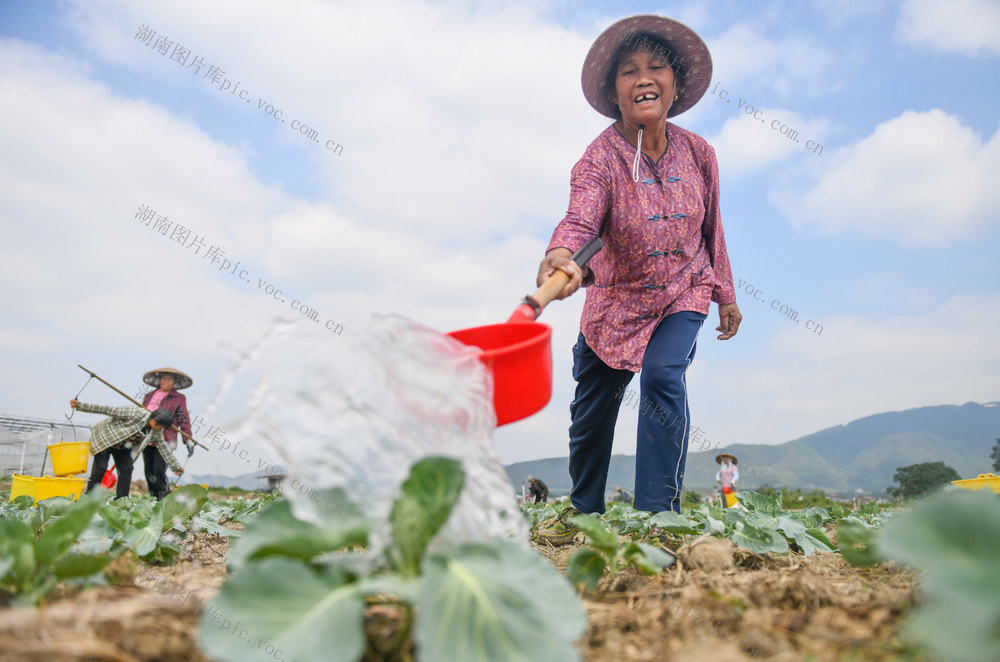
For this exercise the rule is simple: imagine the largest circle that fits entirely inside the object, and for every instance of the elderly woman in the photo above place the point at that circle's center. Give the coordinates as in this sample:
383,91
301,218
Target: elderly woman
166,396
650,190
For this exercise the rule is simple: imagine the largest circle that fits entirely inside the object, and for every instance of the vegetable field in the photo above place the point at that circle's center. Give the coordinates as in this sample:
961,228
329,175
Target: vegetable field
198,577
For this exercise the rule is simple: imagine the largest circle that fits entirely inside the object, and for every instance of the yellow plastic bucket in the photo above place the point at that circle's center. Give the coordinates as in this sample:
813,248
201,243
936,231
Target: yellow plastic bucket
48,487
982,482
731,500
69,457
21,485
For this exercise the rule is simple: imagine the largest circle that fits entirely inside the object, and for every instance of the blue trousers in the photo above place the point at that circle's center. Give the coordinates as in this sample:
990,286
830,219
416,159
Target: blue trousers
664,420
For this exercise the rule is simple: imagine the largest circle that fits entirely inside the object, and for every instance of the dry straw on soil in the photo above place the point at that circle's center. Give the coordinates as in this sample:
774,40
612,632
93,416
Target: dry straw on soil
717,603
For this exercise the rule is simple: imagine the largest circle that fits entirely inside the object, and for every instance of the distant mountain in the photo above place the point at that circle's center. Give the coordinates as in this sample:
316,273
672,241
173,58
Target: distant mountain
862,455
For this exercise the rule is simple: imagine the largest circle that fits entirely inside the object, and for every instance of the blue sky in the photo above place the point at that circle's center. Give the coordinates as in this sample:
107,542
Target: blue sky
459,123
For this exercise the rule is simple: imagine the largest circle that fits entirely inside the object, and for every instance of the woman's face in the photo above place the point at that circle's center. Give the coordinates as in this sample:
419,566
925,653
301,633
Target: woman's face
166,382
644,87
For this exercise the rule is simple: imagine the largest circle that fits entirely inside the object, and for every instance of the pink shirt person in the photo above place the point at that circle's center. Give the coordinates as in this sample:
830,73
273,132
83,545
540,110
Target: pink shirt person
728,474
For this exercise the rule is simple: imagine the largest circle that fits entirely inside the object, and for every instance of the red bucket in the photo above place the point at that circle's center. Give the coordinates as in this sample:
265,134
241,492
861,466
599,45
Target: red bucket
519,356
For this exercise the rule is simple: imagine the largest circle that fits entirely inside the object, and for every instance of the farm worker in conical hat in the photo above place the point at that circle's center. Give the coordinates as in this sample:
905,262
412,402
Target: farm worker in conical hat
728,472
650,190
168,383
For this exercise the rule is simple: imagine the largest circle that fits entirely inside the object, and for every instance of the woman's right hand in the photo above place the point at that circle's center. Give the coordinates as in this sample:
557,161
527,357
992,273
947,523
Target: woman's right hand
559,259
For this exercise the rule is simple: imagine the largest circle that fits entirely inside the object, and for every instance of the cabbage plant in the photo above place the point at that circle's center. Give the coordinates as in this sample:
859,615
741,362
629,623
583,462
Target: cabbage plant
301,590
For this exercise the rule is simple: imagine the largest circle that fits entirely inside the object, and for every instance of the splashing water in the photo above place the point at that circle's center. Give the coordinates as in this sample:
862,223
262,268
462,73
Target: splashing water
357,410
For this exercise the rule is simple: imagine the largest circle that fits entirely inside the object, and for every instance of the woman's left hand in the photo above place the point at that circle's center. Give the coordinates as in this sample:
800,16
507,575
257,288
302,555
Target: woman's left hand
729,320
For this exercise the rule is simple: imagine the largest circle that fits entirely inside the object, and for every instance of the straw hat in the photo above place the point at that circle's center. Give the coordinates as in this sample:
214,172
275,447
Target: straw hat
693,63
720,456
181,380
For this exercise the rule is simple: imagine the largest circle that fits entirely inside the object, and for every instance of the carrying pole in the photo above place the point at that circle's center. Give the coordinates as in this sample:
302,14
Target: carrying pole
138,404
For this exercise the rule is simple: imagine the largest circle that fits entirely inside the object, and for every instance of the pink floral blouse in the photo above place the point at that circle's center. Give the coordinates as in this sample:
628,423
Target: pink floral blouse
664,248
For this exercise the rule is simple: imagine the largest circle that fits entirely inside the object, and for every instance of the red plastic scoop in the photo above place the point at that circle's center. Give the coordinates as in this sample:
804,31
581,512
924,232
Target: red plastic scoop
519,354
109,480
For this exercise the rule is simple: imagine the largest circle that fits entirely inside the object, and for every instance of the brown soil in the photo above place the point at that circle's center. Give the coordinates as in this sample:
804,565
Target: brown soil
717,603
148,613
726,604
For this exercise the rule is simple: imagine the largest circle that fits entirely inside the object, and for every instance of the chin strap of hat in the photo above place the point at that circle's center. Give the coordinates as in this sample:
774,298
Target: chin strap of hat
638,155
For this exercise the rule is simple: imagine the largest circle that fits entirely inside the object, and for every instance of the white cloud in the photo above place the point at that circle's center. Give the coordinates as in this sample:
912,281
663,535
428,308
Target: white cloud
967,27
746,145
84,160
460,126
422,96
840,12
797,382
800,382
892,288
749,62
919,178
